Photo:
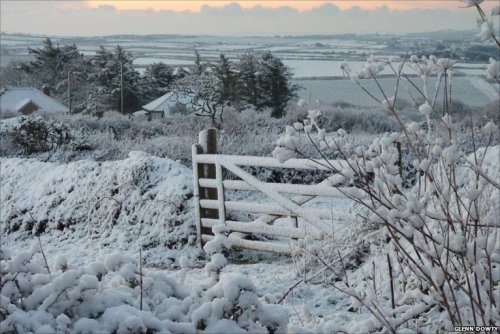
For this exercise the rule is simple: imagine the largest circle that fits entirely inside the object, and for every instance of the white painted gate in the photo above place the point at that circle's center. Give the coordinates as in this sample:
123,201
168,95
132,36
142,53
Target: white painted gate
211,206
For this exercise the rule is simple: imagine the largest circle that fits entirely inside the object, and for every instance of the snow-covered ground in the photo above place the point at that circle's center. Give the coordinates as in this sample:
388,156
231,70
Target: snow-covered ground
86,211
90,213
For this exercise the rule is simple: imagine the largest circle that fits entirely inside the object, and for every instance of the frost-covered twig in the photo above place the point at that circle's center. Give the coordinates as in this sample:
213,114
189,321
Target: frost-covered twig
43,254
92,208
486,26
141,285
41,246
344,269
391,281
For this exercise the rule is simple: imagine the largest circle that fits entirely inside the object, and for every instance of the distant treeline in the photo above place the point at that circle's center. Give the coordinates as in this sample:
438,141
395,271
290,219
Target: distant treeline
99,83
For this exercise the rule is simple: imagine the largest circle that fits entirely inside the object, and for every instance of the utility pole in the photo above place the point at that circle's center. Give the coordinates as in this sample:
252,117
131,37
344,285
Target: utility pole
121,86
310,94
69,91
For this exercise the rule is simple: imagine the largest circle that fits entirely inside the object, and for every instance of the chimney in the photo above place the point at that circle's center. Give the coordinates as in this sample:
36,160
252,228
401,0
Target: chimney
46,89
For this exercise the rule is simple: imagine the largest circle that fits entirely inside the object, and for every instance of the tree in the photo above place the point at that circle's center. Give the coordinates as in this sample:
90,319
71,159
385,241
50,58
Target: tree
52,64
246,82
205,96
443,231
274,83
157,78
113,76
160,74
56,67
199,68
13,75
223,71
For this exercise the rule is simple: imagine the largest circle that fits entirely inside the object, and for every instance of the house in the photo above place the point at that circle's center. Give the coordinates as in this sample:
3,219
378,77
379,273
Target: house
165,106
27,100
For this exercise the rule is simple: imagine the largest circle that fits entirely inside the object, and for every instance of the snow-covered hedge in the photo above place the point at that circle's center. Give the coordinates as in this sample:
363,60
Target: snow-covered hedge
111,137
114,135
143,201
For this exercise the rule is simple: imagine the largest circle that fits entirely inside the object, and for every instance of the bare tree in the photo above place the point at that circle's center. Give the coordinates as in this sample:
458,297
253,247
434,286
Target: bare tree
205,96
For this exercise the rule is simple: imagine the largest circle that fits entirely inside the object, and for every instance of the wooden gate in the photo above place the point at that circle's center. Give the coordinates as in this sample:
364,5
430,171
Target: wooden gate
211,205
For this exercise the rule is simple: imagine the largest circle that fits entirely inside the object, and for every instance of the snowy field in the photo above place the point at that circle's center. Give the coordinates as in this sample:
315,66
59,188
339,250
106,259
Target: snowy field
473,91
76,232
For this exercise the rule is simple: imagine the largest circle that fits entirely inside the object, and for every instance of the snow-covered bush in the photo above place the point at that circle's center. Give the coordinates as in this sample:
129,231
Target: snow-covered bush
356,120
35,135
114,135
117,295
110,137
442,256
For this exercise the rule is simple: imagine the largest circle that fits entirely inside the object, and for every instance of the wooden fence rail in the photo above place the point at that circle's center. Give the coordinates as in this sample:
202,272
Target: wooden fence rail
212,207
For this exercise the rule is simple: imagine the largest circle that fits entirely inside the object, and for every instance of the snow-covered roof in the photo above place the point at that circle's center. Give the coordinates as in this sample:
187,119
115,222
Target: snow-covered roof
166,102
14,98
140,113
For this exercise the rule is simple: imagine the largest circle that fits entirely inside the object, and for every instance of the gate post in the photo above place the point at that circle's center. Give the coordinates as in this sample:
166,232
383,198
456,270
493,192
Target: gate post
207,145
197,169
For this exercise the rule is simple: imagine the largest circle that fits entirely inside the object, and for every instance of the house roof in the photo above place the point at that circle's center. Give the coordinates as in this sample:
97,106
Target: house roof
160,103
141,113
166,102
14,98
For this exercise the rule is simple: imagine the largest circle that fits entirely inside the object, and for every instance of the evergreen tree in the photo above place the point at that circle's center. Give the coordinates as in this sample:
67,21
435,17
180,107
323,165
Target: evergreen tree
223,71
158,78
246,82
275,87
161,74
112,72
198,66
52,64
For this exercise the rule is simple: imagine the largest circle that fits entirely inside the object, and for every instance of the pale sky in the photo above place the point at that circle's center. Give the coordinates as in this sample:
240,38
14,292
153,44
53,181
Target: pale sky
196,6
94,18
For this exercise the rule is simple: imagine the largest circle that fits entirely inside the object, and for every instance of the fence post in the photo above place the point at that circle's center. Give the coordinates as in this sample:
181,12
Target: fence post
208,143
